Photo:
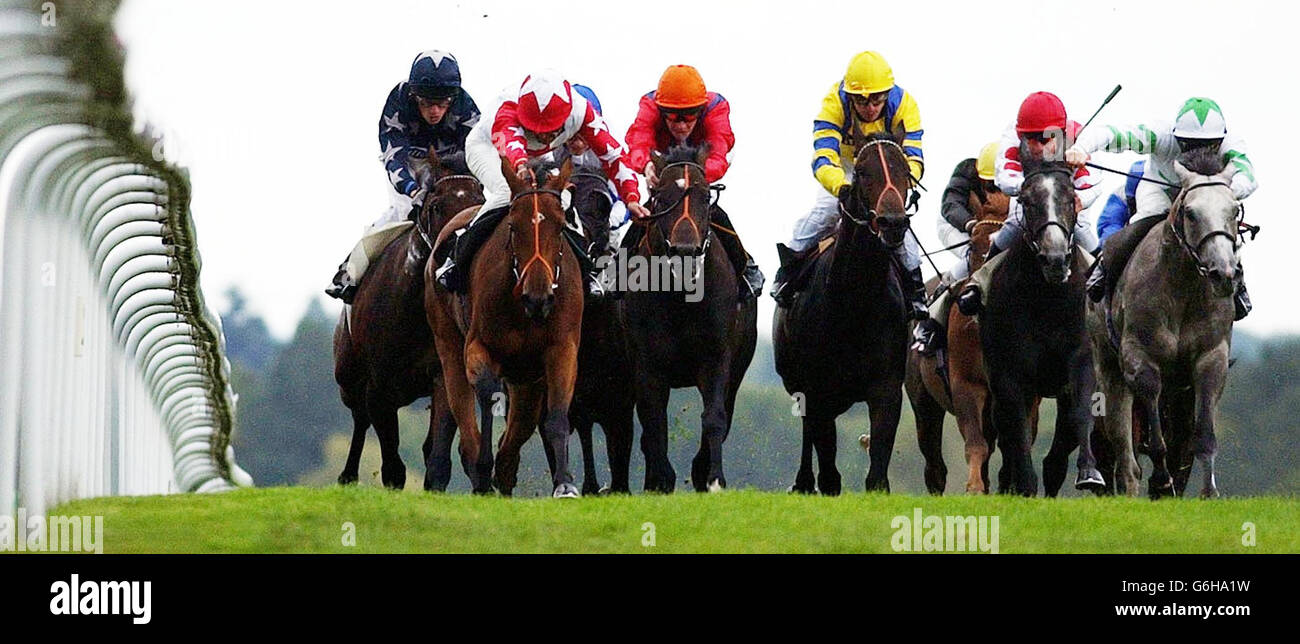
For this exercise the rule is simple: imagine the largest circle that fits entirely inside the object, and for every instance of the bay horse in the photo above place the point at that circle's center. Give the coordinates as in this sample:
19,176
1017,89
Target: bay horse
384,356
603,392
1033,339
844,338
966,394
703,337
520,321
1167,327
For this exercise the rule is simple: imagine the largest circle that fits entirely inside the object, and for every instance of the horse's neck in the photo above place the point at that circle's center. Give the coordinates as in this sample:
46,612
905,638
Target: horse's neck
1175,267
858,266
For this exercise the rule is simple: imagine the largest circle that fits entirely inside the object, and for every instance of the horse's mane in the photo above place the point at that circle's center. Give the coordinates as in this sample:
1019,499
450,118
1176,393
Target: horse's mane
1205,160
543,165
1032,166
681,153
453,163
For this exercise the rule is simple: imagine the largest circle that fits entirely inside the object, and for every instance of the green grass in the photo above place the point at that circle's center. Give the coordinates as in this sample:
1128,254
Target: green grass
299,519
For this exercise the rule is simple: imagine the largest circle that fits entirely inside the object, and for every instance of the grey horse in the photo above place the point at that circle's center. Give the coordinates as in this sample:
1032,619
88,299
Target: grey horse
1167,327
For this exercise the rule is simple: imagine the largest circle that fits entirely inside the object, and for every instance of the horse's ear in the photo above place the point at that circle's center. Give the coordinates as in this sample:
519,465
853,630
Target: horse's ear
658,161
433,157
566,169
702,154
508,171
1227,173
1184,175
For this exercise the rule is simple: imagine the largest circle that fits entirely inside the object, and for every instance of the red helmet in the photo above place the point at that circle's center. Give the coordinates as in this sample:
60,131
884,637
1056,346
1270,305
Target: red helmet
545,101
1040,111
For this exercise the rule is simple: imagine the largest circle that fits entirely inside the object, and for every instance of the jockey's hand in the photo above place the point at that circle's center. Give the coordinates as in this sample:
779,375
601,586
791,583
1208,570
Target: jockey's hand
638,211
523,174
651,178
1076,157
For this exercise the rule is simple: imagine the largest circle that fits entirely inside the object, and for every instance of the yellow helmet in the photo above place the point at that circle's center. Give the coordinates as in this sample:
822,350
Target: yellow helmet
984,163
868,74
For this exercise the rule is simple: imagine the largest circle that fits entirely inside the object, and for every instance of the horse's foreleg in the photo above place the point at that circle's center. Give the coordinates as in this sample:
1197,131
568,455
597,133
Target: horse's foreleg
1082,387
487,389
393,471
360,422
929,416
885,405
521,420
1144,378
969,403
1117,426
618,448
437,455
1010,406
590,479
652,410
706,468
1210,375
460,400
561,374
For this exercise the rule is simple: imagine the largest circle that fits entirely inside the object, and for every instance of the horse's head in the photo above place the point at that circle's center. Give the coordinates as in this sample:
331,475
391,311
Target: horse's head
681,202
536,226
1204,217
990,208
1047,197
593,203
877,197
449,187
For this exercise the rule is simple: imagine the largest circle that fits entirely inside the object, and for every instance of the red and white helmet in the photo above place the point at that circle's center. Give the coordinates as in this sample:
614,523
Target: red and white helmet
545,101
1040,111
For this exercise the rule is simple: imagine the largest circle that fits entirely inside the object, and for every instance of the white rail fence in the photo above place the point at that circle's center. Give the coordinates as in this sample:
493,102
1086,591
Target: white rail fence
113,378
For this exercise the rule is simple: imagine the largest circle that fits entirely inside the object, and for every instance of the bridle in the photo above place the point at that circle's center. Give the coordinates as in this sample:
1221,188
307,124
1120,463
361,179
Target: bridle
1177,217
685,201
537,258
433,200
874,211
1032,239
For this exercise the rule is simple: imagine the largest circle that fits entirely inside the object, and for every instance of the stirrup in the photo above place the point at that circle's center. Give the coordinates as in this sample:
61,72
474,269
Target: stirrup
1096,284
778,293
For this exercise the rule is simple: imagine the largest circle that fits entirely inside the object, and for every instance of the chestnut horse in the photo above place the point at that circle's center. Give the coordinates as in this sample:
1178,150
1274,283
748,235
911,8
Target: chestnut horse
695,330
966,394
520,321
384,356
843,340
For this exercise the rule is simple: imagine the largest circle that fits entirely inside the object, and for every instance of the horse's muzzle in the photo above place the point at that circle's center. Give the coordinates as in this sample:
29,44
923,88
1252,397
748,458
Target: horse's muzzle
1221,281
685,250
1056,267
538,307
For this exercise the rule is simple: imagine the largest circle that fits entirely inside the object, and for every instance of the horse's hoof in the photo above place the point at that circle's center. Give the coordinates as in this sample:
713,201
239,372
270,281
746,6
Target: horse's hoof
1212,493
347,478
716,485
865,441
589,489
565,491
1090,480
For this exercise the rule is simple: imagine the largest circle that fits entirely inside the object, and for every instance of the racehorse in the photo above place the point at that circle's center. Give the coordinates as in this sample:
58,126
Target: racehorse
844,338
603,392
966,393
520,321
384,356
702,337
1033,338
1167,328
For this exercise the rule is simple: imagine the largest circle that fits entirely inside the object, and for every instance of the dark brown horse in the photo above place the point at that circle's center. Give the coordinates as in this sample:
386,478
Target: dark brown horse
844,338
384,356
520,321
686,322
603,392
1033,338
966,394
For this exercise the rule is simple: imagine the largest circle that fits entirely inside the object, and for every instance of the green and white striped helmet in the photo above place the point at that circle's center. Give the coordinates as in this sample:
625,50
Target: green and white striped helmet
1200,118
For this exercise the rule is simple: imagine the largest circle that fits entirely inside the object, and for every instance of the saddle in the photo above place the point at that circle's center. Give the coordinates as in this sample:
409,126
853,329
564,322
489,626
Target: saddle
801,265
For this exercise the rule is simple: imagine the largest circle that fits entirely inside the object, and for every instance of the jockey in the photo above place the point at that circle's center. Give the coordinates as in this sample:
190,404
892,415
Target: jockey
1041,131
1121,204
543,115
866,101
682,110
1199,123
428,110
971,183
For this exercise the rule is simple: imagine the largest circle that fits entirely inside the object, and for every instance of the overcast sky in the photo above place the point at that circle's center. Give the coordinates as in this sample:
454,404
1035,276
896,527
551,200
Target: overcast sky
274,107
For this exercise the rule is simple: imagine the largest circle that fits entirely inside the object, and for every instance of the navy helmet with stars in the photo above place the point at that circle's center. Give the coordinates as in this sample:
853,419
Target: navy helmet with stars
435,74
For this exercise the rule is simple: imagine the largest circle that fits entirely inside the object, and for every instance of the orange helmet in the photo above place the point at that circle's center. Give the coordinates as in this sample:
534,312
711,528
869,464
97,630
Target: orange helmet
681,88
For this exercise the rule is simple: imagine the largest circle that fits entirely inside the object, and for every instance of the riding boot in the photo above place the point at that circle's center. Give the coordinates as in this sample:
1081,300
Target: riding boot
454,271
1241,299
914,290
746,268
1096,283
791,261
971,299
342,286
590,275
928,336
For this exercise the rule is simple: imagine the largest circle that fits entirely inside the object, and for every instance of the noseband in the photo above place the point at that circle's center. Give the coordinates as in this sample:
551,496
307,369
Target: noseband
1032,239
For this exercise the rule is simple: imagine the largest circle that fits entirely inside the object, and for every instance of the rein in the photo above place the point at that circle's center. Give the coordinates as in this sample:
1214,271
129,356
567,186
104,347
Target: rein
433,201
685,202
872,213
537,257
